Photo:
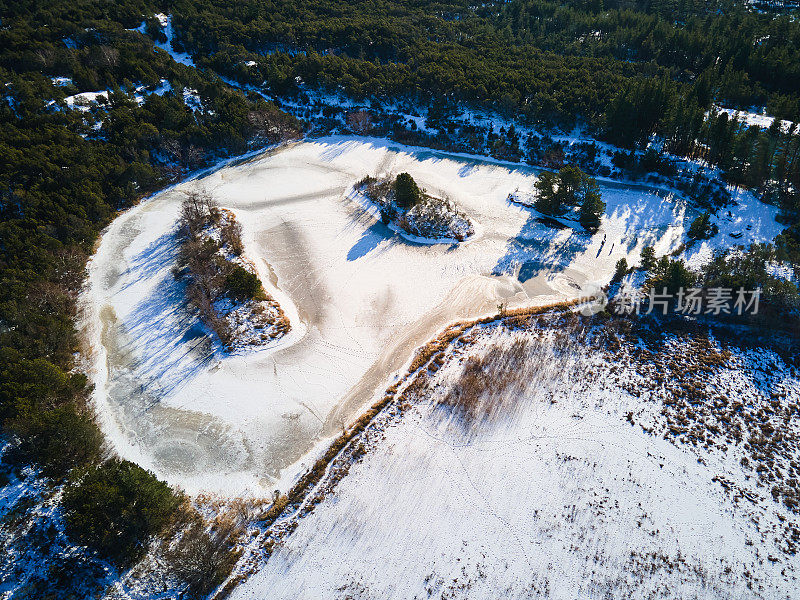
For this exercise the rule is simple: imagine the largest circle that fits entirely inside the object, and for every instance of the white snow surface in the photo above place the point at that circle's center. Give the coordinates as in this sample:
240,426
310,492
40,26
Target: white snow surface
360,299
84,100
558,498
753,118
747,221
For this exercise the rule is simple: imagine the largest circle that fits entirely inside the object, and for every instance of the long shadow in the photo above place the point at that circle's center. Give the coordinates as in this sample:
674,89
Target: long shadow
370,239
169,343
152,259
537,249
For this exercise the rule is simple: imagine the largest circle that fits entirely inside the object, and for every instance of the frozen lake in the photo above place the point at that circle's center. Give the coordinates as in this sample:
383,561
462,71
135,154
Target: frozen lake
360,299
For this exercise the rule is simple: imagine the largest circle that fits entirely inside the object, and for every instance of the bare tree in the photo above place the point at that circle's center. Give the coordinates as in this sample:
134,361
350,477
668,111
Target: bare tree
203,556
359,121
231,235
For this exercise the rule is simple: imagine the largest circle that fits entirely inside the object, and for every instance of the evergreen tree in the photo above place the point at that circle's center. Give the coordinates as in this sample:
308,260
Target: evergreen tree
648,258
116,507
702,228
591,211
406,191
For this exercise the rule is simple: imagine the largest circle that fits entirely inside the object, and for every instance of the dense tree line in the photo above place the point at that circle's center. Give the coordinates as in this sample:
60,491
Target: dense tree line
742,58
64,174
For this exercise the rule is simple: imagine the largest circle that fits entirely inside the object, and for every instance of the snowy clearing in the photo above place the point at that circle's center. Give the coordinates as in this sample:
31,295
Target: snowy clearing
753,118
360,298
575,489
165,21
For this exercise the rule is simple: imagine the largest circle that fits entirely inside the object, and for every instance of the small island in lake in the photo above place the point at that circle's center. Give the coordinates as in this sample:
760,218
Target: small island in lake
414,212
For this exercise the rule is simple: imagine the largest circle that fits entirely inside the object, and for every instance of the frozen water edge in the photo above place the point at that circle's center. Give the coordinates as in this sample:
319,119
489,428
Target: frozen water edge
558,495
360,299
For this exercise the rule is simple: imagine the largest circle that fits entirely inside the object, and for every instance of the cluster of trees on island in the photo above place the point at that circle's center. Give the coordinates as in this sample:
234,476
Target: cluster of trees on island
401,202
210,260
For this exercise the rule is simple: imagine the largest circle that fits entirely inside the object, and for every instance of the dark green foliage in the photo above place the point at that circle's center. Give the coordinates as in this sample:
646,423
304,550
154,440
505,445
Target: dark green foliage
652,65
406,191
747,269
702,228
620,270
242,284
648,258
670,274
116,507
58,439
656,68
548,200
592,210
571,187
44,407
638,110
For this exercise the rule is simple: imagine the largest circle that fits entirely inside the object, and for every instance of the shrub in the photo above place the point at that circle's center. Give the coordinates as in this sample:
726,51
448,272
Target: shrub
406,191
242,284
197,210
231,236
203,557
116,507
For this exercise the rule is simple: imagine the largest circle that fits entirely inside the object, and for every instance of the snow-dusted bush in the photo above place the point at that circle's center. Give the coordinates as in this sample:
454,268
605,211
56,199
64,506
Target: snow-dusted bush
222,285
425,217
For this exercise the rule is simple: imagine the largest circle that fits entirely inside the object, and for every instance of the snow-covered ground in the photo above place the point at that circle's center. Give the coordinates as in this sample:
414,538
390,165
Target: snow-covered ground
753,118
573,488
748,220
165,21
359,298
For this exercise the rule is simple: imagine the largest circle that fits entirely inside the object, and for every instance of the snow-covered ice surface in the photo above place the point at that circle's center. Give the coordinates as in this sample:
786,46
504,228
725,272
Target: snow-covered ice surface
573,488
359,298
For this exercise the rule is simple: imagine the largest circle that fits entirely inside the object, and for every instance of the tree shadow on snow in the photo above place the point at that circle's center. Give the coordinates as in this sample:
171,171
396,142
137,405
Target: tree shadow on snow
370,239
166,339
538,248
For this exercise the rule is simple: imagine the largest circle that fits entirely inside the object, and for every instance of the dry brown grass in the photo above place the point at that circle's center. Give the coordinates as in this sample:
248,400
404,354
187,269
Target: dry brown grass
200,554
518,317
488,381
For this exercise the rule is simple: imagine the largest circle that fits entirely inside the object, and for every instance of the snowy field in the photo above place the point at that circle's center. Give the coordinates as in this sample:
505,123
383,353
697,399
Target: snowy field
571,490
360,299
